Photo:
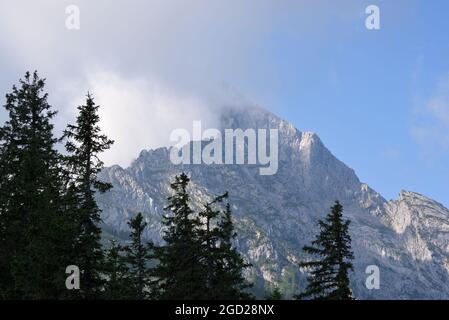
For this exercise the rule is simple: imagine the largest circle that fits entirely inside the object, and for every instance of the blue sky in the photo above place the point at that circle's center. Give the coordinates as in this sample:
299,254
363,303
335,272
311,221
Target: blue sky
366,94
379,99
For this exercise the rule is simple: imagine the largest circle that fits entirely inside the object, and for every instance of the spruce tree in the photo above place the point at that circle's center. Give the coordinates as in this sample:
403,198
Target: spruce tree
180,273
35,233
209,237
328,278
118,285
230,284
276,294
137,257
84,145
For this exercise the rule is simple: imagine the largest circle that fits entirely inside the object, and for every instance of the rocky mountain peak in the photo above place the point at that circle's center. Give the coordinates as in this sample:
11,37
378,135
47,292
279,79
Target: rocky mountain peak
408,238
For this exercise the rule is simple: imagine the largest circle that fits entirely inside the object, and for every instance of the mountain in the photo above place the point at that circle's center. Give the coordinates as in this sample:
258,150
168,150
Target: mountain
276,215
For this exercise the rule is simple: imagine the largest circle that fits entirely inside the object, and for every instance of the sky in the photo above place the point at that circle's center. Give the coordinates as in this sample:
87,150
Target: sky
379,99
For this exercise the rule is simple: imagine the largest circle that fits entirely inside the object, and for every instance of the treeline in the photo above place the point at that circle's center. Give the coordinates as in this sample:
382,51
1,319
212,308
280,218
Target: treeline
197,260
49,220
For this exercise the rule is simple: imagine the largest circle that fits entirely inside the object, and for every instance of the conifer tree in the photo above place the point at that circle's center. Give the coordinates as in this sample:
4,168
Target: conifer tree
180,273
137,256
230,282
84,144
118,284
199,260
276,294
209,237
328,278
35,233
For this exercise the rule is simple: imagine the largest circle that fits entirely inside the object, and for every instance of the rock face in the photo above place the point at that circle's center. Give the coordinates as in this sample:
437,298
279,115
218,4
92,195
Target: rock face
276,215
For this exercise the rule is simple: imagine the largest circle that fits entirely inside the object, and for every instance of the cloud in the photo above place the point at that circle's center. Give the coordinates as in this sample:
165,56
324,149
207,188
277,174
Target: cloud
430,126
194,45
152,64
139,113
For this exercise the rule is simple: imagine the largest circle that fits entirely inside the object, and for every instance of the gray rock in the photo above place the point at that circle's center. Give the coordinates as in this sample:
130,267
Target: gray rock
408,239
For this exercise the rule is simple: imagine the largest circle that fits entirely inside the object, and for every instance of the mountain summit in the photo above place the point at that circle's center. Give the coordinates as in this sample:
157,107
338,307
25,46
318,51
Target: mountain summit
407,239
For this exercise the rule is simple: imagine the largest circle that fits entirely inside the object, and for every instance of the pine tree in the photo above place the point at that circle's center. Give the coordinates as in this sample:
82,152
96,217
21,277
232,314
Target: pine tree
328,278
84,144
118,284
137,255
35,233
180,273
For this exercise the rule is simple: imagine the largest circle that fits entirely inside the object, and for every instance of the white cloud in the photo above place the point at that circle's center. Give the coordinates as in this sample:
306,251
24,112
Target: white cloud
194,44
439,107
140,114
152,65
430,126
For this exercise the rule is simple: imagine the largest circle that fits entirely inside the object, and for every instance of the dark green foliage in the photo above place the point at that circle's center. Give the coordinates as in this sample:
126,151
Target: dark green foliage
127,272
180,273
229,283
328,278
198,260
209,237
137,256
276,294
35,234
49,219
84,144
118,284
